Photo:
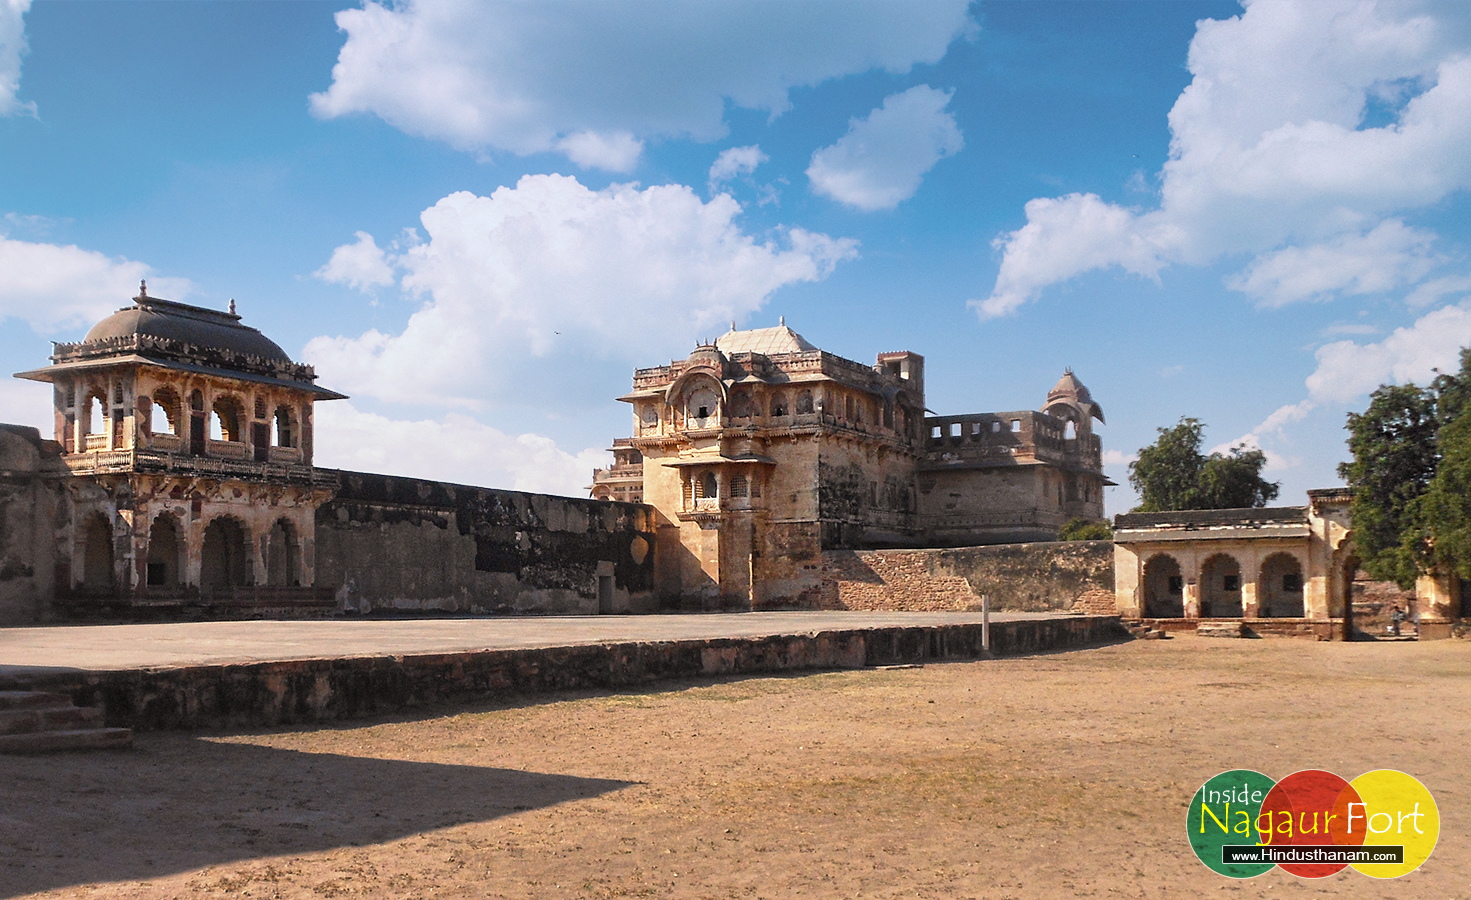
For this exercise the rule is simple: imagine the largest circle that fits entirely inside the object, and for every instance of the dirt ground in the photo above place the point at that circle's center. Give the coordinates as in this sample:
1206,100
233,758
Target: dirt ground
1052,776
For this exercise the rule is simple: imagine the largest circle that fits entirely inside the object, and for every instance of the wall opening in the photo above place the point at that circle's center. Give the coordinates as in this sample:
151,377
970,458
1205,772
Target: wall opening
97,557
283,553
1279,590
1220,587
224,559
164,549
605,594
1164,589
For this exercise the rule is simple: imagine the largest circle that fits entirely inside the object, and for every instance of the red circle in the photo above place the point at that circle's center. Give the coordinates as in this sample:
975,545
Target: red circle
1304,809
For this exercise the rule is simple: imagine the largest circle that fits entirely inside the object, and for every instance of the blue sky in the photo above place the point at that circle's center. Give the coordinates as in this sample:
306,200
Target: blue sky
478,218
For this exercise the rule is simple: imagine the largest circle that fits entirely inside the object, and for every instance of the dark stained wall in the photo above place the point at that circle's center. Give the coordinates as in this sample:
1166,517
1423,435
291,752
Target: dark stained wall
406,543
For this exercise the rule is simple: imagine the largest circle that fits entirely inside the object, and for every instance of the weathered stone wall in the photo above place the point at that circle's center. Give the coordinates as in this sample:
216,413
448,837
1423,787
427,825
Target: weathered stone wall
411,544
28,526
1016,577
324,690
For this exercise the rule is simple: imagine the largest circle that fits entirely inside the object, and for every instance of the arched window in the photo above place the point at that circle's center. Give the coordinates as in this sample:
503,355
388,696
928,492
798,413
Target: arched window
740,405
1070,431
94,413
283,431
804,402
708,486
778,405
224,420
164,417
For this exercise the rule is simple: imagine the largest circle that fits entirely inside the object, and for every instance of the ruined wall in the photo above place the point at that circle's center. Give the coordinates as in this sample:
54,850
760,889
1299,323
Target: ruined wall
1016,577
407,543
28,526
866,495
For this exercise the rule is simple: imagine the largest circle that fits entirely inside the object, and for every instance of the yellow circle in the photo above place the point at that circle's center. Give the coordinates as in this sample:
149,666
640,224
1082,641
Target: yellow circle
1397,809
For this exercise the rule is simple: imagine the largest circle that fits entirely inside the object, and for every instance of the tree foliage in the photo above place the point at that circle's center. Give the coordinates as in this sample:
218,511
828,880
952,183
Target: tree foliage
1410,472
1393,444
1172,474
1080,529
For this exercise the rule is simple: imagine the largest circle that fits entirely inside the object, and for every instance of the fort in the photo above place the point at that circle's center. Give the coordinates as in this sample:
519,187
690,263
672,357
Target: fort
179,483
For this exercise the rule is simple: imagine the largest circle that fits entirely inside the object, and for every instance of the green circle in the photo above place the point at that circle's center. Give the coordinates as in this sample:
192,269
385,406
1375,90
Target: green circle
1224,811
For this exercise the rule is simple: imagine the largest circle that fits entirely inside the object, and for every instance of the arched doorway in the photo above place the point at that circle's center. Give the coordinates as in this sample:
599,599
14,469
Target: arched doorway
224,559
97,559
164,549
282,551
1279,590
1220,587
1164,588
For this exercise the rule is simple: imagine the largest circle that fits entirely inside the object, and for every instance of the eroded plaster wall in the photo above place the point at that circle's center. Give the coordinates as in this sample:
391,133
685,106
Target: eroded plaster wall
411,544
28,523
1034,577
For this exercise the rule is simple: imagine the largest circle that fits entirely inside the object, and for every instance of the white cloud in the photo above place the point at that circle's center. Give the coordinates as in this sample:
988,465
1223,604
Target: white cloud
620,273
526,77
1438,289
1063,238
879,163
52,287
455,448
360,266
618,152
1269,152
1347,370
734,162
12,48
1118,458
1388,257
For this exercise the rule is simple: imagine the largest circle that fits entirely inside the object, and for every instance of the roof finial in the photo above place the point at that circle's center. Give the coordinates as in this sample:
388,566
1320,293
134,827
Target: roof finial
142,288
232,306
781,320
732,324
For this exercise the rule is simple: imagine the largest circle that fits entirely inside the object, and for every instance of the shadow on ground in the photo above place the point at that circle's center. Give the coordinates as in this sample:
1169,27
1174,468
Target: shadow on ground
178,803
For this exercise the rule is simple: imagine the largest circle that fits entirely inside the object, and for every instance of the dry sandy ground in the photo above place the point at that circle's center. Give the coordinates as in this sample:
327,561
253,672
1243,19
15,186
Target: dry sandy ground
1052,776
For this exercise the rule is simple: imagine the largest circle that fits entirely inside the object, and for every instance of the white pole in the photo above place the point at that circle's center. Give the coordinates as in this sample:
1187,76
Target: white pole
986,623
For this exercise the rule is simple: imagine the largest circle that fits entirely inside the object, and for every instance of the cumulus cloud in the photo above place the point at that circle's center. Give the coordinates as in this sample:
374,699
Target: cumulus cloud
620,273
12,48
1273,151
735,162
879,163
1347,370
52,287
532,77
1390,256
455,448
360,266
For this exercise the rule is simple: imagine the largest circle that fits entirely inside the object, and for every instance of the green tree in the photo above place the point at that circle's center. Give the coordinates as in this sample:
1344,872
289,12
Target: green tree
1080,529
1172,474
1394,449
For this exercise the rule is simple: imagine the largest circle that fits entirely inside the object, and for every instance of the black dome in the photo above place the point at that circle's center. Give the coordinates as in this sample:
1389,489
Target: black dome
189,324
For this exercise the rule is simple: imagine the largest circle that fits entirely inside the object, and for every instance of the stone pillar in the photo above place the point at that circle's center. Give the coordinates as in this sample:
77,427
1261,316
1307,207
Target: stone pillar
1192,599
1250,602
1438,601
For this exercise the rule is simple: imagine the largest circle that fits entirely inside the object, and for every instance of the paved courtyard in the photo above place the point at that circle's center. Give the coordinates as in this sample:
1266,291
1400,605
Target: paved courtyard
102,647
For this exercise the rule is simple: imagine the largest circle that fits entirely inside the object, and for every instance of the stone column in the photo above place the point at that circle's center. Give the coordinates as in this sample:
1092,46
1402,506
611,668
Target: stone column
1250,603
1192,599
1438,601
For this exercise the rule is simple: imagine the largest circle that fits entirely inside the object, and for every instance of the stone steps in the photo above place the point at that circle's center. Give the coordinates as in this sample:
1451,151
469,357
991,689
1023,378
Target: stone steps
1144,632
46,722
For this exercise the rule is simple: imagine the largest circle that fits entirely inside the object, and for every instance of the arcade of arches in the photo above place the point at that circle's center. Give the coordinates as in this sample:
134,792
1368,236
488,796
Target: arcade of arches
1284,563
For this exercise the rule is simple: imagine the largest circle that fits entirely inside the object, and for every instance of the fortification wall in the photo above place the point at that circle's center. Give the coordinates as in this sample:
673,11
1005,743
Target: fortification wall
1039,577
409,544
28,527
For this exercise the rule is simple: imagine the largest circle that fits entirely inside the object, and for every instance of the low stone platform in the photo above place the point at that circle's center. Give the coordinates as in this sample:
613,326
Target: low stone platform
246,674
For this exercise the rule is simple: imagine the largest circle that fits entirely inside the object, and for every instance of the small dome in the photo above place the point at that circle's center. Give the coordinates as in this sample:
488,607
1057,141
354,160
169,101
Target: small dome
189,324
1070,390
